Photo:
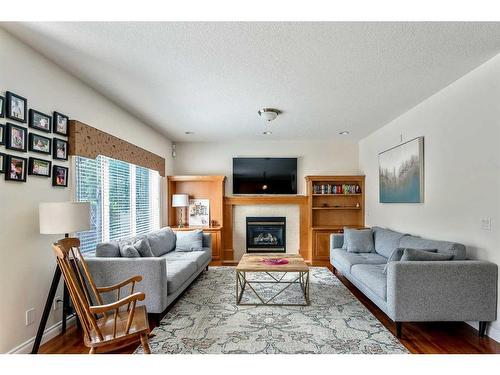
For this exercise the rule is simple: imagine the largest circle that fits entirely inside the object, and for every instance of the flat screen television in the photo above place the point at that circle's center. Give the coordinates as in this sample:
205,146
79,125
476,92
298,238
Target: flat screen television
264,175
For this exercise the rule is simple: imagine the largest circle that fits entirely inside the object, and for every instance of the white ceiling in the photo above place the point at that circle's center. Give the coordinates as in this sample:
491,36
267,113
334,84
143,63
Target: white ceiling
211,78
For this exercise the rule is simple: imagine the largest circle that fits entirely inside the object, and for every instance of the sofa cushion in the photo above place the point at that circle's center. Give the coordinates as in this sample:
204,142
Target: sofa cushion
189,241
423,255
108,250
456,249
143,247
386,241
346,260
162,241
372,276
397,254
200,257
178,273
359,240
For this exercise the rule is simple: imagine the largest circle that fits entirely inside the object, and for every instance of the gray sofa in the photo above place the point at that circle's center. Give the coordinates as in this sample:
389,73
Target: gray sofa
414,291
166,274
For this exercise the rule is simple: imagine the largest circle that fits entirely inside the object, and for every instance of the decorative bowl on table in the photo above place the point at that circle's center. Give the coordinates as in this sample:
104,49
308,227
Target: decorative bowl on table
275,261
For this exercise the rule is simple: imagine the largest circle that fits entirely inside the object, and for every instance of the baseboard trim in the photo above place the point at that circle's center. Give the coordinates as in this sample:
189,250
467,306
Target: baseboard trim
491,332
48,334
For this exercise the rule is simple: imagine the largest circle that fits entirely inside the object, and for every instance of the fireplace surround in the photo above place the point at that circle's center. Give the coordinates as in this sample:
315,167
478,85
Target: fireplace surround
266,234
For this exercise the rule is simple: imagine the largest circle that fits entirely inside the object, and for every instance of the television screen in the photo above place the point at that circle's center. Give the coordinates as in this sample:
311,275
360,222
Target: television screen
264,175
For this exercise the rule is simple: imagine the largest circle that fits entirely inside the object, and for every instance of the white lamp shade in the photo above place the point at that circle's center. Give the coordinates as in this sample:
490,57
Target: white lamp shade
64,217
180,200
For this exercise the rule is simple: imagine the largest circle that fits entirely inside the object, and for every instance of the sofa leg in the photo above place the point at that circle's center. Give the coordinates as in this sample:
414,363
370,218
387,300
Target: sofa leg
482,328
206,268
156,318
399,329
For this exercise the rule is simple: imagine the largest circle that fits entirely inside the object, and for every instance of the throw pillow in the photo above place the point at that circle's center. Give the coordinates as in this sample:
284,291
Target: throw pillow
127,250
189,241
359,240
410,255
397,254
107,250
142,246
162,241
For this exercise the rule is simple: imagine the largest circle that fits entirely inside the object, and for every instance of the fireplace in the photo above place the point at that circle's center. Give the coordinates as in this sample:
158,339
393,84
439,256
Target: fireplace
266,234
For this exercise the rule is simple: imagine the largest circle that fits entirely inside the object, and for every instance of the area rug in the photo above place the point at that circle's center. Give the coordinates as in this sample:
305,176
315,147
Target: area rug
206,320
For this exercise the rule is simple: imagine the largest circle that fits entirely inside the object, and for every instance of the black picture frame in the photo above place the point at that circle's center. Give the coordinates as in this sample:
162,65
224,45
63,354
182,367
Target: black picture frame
2,162
9,175
55,124
56,174
3,130
10,108
32,170
34,116
55,145
8,141
32,145
2,106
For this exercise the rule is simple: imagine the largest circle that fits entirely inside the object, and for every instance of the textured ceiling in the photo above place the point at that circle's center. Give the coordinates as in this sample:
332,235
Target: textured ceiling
211,78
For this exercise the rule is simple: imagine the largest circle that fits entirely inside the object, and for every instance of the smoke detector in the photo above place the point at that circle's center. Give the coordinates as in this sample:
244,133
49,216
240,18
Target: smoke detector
268,114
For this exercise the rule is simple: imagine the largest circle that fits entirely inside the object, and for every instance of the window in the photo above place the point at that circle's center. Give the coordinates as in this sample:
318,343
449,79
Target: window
125,199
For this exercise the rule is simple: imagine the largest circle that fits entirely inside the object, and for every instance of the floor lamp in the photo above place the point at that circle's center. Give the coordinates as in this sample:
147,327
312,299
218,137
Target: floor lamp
60,218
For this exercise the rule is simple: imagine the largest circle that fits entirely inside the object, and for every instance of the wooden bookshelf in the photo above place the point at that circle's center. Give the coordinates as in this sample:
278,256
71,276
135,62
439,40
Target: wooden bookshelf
200,187
331,212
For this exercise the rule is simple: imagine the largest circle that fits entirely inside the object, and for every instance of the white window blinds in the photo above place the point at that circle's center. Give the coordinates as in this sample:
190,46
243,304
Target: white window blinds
125,199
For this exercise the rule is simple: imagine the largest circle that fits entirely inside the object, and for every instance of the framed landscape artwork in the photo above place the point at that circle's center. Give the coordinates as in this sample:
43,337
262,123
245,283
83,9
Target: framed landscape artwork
401,173
199,212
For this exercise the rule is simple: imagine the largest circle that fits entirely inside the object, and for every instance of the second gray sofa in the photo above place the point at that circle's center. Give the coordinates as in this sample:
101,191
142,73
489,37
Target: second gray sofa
414,291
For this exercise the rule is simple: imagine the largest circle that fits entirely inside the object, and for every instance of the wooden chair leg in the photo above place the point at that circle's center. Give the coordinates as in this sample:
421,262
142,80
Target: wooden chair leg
145,343
92,350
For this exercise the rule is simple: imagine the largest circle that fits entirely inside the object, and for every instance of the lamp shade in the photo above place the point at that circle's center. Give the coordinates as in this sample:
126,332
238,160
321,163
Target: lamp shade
64,217
180,200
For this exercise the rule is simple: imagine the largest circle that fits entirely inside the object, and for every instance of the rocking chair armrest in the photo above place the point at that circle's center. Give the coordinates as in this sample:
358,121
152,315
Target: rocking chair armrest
99,309
105,289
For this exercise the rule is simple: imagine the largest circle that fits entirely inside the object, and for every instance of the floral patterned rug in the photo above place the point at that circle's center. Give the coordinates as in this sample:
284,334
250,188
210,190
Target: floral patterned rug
206,320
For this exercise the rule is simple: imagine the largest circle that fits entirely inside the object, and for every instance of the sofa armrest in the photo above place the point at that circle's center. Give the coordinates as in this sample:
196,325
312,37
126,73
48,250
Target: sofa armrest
459,290
336,241
110,271
207,240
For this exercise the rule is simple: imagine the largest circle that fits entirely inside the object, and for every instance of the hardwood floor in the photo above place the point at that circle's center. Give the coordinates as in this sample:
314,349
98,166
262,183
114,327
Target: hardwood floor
422,338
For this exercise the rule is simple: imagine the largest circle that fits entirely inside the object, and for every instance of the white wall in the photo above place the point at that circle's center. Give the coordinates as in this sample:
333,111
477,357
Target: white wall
315,157
26,260
461,126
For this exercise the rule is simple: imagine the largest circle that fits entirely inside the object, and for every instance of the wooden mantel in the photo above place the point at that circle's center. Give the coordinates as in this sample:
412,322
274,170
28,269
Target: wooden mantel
248,200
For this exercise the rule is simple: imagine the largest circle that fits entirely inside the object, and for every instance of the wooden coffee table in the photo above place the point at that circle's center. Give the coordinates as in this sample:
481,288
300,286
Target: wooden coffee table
252,263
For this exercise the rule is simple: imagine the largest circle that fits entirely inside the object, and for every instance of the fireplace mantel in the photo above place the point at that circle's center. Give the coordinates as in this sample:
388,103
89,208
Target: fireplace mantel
240,200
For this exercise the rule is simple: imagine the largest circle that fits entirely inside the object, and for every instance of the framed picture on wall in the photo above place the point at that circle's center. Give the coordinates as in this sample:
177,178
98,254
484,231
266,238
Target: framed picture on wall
401,173
39,167
2,134
59,176
15,168
16,107
39,121
60,149
16,137
39,143
2,162
61,124
2,106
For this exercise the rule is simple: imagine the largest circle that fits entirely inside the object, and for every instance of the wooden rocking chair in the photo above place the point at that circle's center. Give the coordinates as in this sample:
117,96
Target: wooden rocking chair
106,327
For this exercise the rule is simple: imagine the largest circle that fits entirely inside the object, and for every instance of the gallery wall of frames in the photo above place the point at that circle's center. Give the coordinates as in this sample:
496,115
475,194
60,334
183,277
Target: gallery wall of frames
24,129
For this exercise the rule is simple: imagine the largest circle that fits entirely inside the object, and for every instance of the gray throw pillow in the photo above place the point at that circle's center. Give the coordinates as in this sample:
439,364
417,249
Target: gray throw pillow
410,255
397,254
127,250
162,241
142,246
107,250
359,240
189,241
